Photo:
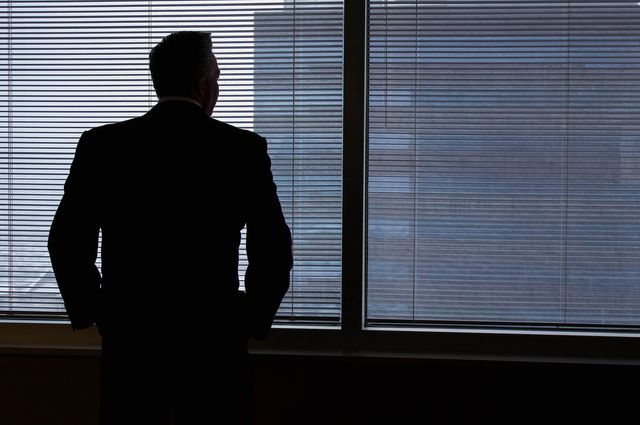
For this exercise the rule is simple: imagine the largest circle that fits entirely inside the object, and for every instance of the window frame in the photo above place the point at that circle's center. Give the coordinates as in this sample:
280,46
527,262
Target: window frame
353,338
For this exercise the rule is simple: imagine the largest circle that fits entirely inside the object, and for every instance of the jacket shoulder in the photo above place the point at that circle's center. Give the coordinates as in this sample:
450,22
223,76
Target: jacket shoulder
107,130
246,138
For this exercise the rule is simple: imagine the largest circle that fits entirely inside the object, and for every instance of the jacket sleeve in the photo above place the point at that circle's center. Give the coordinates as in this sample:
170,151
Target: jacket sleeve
268,246
73,239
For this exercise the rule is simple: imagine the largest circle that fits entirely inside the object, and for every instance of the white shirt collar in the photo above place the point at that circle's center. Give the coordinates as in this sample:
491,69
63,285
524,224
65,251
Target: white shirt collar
180,99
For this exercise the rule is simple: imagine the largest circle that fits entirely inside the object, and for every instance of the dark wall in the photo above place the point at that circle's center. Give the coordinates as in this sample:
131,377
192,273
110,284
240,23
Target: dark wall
63,389
48,390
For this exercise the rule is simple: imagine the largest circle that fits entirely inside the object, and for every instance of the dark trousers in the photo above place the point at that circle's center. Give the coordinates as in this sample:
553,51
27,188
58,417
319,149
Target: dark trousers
146,380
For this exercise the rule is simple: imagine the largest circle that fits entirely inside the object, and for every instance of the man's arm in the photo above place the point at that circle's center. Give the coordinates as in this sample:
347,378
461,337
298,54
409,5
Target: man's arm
268,247
73,240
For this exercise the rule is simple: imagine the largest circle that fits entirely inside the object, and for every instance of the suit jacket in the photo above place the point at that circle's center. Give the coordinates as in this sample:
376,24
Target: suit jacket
170,191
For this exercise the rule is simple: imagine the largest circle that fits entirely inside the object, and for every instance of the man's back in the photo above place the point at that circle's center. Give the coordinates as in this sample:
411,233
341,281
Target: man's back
171,192
174,187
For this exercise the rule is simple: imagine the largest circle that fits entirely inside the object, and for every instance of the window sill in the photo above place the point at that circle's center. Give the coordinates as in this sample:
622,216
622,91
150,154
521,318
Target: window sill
57,338
48,337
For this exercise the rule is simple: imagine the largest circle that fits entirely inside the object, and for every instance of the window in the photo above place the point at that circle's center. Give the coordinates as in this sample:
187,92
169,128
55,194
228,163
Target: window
69,66
503,164
463,165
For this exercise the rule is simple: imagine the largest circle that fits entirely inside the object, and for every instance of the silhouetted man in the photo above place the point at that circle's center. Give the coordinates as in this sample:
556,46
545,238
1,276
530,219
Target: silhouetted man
171,191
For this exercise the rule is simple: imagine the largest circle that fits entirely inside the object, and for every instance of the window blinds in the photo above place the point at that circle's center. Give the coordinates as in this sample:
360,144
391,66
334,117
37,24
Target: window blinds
504,163
66,66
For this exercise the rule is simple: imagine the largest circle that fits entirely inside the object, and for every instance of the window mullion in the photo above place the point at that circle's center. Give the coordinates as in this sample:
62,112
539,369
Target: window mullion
354,120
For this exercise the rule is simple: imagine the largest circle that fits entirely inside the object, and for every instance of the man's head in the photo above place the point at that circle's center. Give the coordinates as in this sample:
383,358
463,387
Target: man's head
183,64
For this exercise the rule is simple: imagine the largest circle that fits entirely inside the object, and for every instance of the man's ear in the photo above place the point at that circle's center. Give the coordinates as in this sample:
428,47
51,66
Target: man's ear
203,89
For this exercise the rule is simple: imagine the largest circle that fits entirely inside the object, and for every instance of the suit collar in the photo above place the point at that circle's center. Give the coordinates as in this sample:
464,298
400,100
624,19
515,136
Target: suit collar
179,99
176,107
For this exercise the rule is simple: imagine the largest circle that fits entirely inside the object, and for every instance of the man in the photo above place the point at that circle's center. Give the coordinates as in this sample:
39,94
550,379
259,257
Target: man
171,191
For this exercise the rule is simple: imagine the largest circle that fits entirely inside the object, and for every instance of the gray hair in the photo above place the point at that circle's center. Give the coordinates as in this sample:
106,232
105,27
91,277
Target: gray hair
179,61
